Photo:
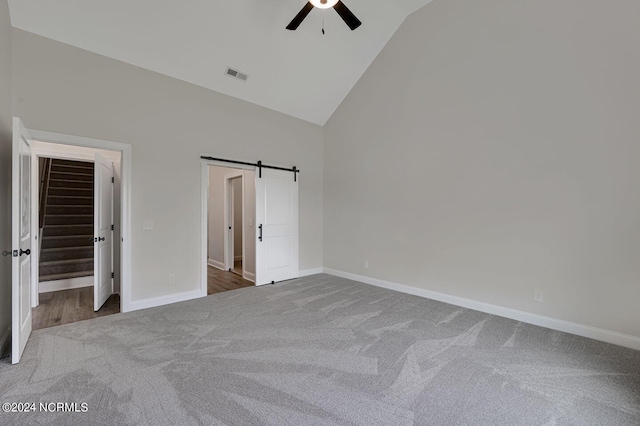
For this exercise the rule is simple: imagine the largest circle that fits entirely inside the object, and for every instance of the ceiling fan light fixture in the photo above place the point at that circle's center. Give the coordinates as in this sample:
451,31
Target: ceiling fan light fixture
324,4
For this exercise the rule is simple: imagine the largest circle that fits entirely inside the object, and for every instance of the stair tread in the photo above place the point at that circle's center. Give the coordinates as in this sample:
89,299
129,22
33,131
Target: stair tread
68,196
67,236
67,225
69,166
72,173
63,180
68,181
68,215
54,249
66,261
67,205
71,188
65,275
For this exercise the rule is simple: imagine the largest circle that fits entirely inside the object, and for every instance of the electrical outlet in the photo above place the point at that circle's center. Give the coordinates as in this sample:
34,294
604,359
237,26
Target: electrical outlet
366,264
172,279
538,296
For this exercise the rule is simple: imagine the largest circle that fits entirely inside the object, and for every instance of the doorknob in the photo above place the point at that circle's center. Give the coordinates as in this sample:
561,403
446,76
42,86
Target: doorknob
6,253
101,238
27,252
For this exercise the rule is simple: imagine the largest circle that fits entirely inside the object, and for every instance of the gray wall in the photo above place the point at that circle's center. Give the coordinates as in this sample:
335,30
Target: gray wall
169,123
492,149
5,167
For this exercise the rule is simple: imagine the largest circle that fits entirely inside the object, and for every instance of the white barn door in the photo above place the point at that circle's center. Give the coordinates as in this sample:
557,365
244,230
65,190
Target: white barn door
20,240
277,226
103,235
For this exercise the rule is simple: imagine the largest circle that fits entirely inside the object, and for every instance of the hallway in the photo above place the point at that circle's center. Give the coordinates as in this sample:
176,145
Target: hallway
219,281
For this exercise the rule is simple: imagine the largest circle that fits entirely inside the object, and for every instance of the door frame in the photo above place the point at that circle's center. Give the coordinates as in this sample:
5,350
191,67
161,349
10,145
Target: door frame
37,153
229,217
204,198
125,198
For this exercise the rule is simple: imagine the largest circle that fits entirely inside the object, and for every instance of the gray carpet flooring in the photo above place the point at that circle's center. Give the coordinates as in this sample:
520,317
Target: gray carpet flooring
321,351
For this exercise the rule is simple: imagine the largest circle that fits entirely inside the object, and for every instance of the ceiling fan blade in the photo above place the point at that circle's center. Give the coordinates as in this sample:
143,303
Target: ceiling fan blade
300,17
346,15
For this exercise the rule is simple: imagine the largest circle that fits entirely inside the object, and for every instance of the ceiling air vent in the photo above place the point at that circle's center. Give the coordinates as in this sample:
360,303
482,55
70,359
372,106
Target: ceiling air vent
236,74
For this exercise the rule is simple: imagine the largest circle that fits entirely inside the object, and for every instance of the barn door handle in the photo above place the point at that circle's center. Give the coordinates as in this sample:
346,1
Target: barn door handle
27,252
260,236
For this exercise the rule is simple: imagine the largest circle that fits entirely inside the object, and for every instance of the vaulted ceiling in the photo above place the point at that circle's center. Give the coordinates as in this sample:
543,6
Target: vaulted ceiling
301,73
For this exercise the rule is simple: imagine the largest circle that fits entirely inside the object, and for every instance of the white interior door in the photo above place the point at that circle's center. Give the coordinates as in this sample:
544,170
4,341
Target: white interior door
277,220
20,240
103,235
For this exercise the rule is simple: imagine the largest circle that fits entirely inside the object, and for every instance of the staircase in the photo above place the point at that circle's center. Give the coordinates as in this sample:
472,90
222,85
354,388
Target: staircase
67,226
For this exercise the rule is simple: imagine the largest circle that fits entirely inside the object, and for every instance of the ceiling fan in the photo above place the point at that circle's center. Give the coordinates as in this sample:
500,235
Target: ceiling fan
347,16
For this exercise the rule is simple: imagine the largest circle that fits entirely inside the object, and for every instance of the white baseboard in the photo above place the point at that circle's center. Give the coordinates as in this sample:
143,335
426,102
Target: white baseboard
311,271
216,264
136,305
4,340
608,336
249,276
47,286
237,258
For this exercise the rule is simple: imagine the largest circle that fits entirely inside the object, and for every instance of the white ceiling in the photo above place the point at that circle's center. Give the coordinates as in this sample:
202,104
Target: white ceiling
300,73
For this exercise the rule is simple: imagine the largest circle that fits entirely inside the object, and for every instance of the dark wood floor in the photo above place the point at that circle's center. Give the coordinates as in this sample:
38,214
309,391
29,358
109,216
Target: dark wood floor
219,281
237,267
67,306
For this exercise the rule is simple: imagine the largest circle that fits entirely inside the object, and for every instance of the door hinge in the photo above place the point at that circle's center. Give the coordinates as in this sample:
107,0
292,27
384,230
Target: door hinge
112,227
113,275
113,180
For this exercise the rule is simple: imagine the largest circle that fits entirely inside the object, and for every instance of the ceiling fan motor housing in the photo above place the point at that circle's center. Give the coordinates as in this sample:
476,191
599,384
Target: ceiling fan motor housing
347,16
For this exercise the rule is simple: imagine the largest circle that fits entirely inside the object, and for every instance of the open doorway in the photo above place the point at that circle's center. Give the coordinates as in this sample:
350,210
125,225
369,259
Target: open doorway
78,228
269,223
231,229
25,241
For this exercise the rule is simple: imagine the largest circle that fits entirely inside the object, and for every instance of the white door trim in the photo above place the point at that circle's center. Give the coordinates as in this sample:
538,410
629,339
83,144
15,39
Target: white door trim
126,164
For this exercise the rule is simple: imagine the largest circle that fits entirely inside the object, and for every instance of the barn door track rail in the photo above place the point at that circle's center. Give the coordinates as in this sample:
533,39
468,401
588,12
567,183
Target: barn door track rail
259,165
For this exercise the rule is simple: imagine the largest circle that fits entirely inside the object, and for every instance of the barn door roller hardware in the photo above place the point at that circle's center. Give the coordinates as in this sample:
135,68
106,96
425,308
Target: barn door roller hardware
259,166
